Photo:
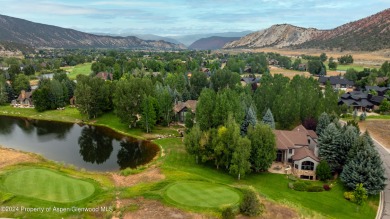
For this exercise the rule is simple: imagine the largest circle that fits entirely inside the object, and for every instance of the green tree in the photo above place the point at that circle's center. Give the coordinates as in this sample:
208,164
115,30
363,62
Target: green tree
128,96
165,103
328,144
189,119
227,102
263,146
148,113
250,204
345,59
332,64
92,96
365,166
330,100
198,81
323,57
22,82
205,109
3,91
315,67
348,139
57,94
384,106
29,70
268,119
192,141
323,171
13,71
360,194
224,78
240,164
249,119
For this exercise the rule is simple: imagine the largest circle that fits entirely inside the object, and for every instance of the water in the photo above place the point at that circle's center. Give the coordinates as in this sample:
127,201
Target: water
90,147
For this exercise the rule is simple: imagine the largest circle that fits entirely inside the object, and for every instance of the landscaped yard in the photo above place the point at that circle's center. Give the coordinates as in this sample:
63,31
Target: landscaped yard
83,69
186,185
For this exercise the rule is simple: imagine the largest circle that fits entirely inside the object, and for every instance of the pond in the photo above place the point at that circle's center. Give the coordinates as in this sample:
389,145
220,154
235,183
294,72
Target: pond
90,147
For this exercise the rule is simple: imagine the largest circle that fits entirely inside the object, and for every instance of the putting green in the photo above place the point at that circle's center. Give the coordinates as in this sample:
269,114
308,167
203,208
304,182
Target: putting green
202,194
47,185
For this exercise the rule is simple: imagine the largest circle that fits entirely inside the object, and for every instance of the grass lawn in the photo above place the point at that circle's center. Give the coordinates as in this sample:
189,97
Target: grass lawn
357,67
83,69
202,194
47,185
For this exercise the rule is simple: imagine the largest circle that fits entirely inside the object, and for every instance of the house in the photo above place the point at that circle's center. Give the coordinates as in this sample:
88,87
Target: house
361,101
302,67
24,100
249,80
299,149
382,81
105,76
273,62
337,82
379,90
181,108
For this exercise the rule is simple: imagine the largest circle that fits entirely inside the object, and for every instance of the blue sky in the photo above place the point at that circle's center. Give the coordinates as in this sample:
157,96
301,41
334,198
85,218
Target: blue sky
180,17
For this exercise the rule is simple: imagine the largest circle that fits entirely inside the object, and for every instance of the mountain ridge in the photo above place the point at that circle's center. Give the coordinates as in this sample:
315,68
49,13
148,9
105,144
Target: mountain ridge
211,43
42,35
366,34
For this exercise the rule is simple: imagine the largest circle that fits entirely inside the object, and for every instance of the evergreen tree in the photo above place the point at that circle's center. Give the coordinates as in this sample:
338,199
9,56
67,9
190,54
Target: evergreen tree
348,139
268,119
148,116
323,122
263,145
323,171
329,146
249,119
365,167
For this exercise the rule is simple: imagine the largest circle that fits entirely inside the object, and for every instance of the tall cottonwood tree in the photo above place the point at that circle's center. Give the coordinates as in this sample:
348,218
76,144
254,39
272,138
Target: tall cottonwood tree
148,113
3,91
263,146
205,109
240,164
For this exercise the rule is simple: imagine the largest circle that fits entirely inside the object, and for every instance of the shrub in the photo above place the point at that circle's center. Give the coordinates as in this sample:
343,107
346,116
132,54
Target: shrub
291,185
326,187
349,196
300,186
315,189
228,213
292,177
250,204
323,171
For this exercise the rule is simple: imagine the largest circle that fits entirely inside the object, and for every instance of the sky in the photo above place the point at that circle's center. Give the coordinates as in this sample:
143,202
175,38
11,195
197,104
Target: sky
182,17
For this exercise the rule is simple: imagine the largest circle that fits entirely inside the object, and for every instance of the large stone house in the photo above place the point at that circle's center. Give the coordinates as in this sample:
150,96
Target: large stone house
24,100
298,148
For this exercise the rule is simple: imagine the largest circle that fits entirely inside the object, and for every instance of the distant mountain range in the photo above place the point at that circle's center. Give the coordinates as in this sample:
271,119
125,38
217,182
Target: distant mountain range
368,34
41,35
189,39
211,43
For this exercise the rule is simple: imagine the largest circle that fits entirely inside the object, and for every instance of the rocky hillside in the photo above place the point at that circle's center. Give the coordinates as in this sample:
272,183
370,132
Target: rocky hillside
368,34
280,35
214,42
41,35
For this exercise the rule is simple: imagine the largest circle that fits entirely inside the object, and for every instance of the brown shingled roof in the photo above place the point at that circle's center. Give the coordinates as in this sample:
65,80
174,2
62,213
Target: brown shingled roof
188,104
301,128
290,139
302,153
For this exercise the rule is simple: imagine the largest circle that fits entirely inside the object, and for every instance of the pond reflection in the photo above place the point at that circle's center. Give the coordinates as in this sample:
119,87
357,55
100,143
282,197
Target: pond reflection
89,147
95,147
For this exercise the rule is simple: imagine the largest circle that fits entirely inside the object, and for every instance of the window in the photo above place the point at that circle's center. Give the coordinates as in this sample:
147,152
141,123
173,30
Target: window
307,165
290,151
308,141
296,166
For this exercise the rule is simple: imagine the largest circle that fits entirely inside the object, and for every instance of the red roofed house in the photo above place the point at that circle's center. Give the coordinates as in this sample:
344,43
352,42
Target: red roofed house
105,76
298,148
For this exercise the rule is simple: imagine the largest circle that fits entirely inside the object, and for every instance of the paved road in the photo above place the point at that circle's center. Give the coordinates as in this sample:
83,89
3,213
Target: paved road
385,156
